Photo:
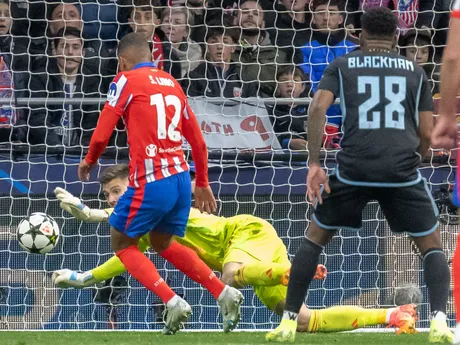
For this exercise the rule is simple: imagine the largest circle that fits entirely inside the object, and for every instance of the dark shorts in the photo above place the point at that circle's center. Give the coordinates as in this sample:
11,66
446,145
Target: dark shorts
407,209
163,206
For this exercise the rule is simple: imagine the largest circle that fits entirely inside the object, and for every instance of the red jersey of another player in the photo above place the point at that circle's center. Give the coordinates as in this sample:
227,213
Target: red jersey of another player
156,114
456,9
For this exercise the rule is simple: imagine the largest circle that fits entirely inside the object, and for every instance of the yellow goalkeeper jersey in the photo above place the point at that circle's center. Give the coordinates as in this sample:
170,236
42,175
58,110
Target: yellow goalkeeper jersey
210,236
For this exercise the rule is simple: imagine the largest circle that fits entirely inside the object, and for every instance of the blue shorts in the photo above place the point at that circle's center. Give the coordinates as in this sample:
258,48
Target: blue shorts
162,206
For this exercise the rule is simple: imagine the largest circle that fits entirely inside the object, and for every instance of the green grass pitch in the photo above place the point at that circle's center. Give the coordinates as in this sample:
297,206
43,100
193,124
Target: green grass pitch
205,338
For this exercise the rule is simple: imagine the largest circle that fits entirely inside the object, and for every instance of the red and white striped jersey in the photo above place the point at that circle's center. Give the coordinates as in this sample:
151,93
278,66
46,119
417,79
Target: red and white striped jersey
157,115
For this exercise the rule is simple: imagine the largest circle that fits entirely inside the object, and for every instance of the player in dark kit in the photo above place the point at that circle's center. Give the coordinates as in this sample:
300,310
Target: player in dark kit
387,121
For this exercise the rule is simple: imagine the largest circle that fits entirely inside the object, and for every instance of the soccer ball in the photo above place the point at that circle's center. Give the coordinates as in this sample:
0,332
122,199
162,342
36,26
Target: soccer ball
38,233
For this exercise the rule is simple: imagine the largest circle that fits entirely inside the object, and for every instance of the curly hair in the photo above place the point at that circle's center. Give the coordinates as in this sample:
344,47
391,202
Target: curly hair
379,22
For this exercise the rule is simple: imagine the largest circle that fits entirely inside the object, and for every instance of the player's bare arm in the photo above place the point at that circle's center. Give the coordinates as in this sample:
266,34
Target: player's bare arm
99,140
425,130
204,198
445,131
316,120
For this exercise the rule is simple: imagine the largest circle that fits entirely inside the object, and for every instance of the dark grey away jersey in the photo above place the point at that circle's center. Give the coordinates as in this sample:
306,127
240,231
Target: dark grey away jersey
381,95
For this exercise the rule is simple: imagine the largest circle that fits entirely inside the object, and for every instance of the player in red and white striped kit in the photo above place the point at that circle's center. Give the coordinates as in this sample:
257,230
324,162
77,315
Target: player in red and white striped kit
445,132
158,198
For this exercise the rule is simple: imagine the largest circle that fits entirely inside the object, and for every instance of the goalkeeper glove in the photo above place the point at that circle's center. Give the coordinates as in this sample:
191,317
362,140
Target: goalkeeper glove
79,210
68,278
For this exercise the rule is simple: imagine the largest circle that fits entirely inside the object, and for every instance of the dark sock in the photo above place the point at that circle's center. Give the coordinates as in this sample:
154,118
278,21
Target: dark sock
437,278
302,272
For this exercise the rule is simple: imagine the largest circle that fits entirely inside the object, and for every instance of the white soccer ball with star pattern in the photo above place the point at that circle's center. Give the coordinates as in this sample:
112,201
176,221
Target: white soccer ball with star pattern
38,233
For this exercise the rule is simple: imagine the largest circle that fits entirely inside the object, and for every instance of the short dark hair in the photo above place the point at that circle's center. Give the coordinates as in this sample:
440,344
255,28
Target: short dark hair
133,40
219,30
379,22
113,172
316,3
64,32
294,70
146,5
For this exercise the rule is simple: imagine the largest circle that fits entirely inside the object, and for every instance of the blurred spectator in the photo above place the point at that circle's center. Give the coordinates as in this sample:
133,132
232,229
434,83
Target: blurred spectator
416,46
290,120
144,18
177,30
63,15
410,13
9,79
258,57
328,41
66,76
218,76
203,13
289,25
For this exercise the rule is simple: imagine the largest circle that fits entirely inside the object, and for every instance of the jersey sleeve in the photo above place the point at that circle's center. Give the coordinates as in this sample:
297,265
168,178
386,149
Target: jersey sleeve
192,132
119,95
456,9
330,80
425,97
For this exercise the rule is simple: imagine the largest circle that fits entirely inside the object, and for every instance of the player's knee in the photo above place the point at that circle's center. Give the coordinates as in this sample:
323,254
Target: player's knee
318,235
429,242
120,241
160,242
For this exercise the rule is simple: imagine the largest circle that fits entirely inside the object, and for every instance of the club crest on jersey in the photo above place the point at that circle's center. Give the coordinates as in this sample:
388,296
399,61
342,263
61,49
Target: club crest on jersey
151,150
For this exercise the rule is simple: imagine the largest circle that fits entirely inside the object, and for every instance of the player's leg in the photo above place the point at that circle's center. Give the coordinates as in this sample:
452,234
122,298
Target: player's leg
338,318
348,318
138,211
188,261
109,269
251,257
412,210
342,208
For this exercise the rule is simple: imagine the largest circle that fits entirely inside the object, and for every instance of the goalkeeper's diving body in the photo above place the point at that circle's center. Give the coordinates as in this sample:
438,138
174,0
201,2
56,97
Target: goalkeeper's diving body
244,248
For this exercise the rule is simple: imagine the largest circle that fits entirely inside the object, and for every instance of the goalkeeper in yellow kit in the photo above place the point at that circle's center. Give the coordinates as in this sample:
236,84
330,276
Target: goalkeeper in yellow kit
244,248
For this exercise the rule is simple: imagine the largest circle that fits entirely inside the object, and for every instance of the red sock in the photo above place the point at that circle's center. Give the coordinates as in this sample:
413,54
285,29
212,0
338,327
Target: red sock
145,272
456,276
188,262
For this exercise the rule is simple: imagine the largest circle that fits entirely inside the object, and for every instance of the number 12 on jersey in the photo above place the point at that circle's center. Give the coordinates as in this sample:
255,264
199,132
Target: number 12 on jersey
160,102
371,119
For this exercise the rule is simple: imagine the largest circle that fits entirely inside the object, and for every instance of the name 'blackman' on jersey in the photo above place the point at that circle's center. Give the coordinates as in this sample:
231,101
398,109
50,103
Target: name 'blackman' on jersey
381,95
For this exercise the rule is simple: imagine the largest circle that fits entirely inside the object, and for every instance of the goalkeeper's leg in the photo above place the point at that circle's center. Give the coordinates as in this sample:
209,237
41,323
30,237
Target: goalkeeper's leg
347,318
